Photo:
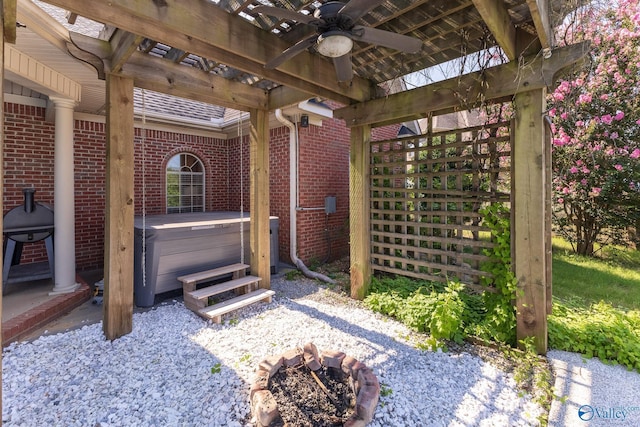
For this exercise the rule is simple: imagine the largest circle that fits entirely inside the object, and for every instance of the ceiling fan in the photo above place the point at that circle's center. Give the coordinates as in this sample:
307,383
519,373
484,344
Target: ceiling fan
336,29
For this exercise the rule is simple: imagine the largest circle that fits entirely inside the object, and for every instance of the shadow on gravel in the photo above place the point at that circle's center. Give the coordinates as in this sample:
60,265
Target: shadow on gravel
424,387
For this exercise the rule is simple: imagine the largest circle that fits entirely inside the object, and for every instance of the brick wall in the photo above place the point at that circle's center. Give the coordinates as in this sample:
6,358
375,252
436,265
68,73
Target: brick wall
324,171
29,162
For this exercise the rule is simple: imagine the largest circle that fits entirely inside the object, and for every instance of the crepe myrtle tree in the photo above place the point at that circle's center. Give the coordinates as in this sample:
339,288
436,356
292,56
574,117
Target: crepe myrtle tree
595,114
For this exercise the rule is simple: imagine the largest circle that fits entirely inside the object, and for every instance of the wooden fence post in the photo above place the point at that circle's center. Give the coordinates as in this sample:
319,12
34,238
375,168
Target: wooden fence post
259,197
530,221
118,254
359,242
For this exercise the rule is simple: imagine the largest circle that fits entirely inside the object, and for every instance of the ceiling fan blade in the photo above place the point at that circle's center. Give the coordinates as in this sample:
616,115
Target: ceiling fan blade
285,14
356,9
292,51
344,70
387,39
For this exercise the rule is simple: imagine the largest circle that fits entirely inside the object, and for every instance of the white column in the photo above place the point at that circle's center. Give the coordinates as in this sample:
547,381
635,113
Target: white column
63,199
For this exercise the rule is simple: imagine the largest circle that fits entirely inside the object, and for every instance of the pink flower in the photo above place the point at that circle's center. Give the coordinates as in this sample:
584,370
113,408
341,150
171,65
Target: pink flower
638,122
584,98
618,167
573,169
607,119
619,115
595,191
604,97
614,135
635,153
560,200
585,169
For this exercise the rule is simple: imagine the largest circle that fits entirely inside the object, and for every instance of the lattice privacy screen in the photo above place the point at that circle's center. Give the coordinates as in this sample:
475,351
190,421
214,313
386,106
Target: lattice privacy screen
425,195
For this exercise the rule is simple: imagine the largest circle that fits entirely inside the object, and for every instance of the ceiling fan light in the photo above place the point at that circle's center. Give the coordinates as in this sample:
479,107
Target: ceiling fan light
334,45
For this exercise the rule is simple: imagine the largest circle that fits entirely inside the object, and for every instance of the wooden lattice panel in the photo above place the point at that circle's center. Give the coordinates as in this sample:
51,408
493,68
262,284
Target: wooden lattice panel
426,192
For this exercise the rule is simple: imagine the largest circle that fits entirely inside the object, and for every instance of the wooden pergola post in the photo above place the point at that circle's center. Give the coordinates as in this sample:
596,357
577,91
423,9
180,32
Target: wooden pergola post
259,237
118,253
359,244
1,173
529,239
7,34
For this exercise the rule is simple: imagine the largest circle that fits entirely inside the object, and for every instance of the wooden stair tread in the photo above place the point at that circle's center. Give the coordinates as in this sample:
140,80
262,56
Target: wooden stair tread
236,303
210,274
223,287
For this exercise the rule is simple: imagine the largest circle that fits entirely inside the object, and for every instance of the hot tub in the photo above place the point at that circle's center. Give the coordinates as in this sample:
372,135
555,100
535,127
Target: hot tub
179,244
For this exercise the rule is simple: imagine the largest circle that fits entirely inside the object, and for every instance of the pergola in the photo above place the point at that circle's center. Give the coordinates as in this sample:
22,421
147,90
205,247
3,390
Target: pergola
215,51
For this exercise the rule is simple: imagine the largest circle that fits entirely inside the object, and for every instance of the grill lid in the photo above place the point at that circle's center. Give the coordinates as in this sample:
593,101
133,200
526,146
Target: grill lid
30,222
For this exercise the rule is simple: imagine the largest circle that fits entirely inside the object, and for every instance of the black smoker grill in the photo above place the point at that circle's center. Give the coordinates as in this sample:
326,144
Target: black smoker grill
28,223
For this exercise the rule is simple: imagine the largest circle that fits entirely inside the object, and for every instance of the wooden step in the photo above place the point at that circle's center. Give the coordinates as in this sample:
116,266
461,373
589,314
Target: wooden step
216,311
223,287
201,276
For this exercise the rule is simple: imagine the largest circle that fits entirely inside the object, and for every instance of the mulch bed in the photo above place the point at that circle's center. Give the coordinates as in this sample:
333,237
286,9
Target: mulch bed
303,402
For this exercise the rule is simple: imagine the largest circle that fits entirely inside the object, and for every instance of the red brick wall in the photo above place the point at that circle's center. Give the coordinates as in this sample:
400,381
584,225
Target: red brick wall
324,171
89,188
29,152
28,162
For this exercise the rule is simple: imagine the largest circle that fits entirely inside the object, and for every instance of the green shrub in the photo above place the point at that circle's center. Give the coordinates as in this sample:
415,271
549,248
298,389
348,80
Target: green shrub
442,310
600,330
500,321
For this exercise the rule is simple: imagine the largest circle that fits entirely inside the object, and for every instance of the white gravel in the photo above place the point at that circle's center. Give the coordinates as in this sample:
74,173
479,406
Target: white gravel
161,373
594,394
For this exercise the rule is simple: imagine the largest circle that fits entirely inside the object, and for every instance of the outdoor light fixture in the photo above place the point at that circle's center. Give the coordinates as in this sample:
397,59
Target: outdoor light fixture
334,44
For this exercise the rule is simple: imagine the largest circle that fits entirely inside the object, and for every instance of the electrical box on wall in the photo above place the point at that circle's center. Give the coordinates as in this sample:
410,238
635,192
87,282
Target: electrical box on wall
330,205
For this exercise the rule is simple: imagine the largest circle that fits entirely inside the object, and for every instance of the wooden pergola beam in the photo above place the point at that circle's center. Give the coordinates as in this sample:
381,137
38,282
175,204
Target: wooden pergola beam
118,253
164,76
9,13
497,19
123,45
283,96
540,15
204,29
492,83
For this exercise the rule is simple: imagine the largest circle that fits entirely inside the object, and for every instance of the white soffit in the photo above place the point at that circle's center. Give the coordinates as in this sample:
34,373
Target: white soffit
29,72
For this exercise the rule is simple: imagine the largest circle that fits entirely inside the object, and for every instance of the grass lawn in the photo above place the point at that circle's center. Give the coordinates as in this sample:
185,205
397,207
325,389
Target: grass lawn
613,277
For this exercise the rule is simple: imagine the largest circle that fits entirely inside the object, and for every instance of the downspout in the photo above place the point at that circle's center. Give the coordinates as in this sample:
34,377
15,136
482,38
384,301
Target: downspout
293,193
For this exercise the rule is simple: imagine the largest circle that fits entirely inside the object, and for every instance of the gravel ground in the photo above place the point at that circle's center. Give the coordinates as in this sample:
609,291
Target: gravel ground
596,394
161,374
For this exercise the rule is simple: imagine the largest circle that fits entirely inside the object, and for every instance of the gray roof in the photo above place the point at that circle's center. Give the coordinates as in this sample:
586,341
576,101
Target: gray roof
82,25
155,102
160,103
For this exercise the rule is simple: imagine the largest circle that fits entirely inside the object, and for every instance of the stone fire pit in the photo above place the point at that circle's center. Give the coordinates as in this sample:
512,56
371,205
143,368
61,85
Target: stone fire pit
362,380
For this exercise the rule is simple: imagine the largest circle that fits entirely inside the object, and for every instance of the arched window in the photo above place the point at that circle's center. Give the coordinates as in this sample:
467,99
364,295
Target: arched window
185,184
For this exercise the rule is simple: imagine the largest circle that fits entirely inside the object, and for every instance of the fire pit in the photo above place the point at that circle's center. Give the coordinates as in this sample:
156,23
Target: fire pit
348,388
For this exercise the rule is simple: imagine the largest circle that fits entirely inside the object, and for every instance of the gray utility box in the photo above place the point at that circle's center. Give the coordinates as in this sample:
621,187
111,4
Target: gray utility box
179,244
